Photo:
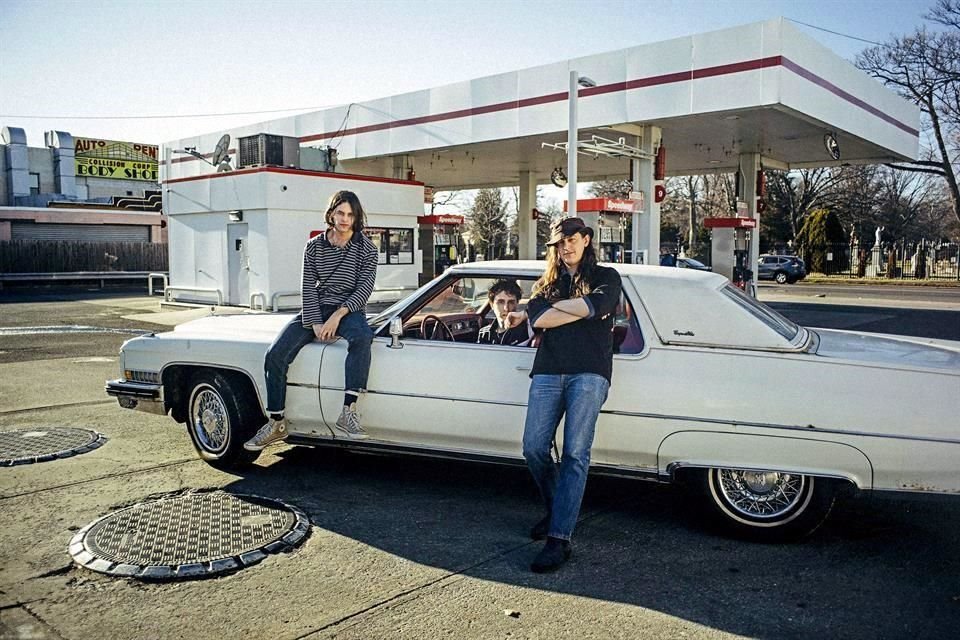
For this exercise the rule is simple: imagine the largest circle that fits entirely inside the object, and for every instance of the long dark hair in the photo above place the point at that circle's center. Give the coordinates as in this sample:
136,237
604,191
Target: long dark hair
548,284
359,217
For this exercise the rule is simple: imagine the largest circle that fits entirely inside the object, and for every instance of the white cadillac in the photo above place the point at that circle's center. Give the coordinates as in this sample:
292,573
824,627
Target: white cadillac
767,418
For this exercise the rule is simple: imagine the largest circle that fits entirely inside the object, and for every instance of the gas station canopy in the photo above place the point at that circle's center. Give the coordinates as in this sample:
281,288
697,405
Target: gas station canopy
764,88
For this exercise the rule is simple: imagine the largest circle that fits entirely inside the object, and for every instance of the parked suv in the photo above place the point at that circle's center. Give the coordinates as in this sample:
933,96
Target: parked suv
783,269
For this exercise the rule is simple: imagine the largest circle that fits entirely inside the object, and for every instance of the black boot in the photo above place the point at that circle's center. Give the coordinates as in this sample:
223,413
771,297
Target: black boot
541,529
552,556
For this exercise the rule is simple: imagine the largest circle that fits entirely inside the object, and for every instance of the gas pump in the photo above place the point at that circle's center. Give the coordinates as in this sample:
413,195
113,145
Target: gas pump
438,241
608,218
730,249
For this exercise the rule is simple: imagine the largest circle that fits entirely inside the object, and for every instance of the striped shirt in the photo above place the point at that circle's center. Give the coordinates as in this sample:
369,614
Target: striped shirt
337,276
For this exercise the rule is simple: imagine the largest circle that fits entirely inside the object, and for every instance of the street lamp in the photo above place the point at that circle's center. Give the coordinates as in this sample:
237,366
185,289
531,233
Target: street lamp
576,81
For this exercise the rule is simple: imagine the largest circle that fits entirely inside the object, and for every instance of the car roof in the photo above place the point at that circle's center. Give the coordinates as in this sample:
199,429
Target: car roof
707,317
648,273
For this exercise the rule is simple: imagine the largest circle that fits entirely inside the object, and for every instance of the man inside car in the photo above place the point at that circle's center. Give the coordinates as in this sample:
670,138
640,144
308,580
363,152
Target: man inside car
504,296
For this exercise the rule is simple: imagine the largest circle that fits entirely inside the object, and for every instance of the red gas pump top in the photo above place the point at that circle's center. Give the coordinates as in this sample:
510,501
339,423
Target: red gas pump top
730,223
613,205
446,219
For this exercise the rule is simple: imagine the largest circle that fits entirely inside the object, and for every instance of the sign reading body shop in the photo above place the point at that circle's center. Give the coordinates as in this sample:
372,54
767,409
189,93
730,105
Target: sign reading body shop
116,160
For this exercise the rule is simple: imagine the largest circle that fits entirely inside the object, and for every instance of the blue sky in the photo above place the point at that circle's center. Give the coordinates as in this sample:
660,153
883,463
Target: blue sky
168,57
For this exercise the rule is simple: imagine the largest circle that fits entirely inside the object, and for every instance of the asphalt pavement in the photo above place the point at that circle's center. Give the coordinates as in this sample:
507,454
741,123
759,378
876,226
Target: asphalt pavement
414,548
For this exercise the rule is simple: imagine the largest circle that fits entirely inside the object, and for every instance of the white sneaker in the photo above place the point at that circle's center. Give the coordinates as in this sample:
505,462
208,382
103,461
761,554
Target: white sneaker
349,423
273,431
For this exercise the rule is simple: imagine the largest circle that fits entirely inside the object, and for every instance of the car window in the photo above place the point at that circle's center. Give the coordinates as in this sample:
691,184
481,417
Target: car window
770,260
627,337
785,327
461,305
701,312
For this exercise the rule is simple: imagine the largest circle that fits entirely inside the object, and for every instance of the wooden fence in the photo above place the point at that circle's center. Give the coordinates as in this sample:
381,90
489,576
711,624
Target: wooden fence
46,256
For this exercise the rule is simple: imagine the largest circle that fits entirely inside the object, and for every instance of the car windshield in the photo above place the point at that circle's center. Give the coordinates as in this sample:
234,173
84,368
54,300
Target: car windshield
785,327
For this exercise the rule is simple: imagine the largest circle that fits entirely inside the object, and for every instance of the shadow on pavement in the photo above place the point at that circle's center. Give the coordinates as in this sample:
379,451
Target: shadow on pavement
883,564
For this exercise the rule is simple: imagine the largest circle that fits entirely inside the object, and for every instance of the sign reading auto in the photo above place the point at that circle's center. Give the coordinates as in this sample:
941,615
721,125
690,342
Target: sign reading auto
116,160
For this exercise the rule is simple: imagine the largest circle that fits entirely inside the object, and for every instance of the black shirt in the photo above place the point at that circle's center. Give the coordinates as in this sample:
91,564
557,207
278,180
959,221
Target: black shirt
585,345
515,336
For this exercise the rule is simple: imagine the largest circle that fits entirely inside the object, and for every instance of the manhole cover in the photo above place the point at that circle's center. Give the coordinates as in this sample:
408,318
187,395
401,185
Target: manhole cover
185,535
46,443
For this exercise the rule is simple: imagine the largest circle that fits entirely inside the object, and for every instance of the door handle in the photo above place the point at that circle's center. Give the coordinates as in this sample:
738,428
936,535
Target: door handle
521,368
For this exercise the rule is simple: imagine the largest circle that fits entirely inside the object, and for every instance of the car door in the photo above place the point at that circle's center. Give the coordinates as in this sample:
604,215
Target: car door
766,267
437,394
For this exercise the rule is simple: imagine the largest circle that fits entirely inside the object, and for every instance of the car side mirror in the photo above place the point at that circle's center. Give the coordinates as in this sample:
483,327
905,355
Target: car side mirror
396,332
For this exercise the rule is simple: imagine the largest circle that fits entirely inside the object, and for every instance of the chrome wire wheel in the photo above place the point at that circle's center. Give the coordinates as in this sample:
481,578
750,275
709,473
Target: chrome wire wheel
767,506
209,419
763,495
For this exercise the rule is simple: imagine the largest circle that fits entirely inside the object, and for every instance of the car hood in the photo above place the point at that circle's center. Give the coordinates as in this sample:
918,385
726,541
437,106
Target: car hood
888,349
254,325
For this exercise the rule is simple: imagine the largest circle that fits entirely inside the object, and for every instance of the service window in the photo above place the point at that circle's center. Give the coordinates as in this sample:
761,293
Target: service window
394,246
401,246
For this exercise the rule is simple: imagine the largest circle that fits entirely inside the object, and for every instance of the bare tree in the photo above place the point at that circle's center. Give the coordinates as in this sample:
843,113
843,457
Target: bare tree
487,221
792,196
445,199
611,188
924,67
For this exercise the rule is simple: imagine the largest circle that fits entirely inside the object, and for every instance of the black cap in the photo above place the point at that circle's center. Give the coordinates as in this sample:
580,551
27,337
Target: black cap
568,227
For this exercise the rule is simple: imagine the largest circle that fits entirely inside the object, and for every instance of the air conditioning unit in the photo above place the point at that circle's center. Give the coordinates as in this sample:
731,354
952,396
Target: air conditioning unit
267,149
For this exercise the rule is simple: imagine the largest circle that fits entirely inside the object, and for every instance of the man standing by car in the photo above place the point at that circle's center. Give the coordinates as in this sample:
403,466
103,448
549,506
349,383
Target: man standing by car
339,271
574,303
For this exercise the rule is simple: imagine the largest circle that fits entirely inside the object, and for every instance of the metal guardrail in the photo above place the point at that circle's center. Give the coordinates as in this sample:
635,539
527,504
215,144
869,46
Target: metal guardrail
151,276
74,276
258,296
274,300
168,290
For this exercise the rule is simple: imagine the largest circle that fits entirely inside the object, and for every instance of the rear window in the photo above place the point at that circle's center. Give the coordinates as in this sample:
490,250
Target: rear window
782,325
692,312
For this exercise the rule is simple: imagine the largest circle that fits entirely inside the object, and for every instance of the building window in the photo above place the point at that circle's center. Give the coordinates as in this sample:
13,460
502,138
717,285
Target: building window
394,246
34,184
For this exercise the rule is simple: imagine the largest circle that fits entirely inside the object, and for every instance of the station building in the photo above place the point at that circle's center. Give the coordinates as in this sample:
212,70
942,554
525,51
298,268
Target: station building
762,96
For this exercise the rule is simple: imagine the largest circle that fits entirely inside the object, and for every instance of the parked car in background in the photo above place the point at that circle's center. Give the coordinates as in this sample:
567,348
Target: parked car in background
780,419
782,269
690,263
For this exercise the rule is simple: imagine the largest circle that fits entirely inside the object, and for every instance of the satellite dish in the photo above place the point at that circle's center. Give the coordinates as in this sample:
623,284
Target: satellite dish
220,153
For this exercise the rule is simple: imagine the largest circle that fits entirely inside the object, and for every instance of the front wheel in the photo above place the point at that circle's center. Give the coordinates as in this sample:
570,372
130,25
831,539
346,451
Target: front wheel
768,506
781,277
220,420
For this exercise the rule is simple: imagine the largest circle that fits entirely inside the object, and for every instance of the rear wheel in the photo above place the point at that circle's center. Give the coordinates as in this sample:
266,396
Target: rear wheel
221,418
768,506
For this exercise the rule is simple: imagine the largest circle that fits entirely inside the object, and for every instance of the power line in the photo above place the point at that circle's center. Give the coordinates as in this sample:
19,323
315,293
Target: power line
837,33
161,117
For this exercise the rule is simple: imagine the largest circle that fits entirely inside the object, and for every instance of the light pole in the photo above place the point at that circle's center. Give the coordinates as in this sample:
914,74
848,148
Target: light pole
576,81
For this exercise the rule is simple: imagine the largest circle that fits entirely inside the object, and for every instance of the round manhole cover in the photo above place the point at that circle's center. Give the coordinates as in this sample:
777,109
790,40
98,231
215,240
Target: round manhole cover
185,535
46,443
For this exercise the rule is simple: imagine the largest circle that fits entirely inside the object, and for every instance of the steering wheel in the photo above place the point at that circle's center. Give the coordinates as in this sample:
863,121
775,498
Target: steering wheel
445,334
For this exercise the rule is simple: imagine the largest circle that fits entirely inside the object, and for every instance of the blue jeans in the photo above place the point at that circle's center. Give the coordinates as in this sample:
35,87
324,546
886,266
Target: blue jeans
294,337
579,396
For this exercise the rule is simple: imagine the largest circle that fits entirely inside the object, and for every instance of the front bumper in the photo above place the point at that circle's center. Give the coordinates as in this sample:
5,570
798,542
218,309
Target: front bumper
138,395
